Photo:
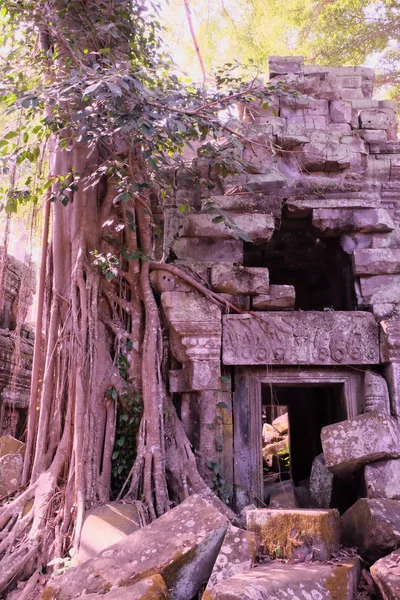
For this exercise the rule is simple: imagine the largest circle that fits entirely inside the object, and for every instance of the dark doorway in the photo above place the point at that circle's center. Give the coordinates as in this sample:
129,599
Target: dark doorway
309,409
319,269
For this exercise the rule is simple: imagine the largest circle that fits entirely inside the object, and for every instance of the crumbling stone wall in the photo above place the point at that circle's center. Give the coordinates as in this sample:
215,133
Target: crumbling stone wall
14,398
329,158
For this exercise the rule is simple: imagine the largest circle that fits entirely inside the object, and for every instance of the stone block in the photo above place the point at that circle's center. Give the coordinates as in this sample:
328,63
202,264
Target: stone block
181,546
373,525
374,135
324,157
267,182
340,112
295,533
337,581
321,483
380,288
237,554
10,473
105,525
189,306
164,281
242,302
246,202
386,575
333,222
151,588
382,479
280,495
374,119
298,208
281,423
208,249
259,227
281,65
381,261
240,280
301,338
351,444
280,297
10,445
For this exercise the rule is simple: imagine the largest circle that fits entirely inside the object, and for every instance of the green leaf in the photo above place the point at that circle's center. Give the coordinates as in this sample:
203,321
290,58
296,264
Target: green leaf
115,454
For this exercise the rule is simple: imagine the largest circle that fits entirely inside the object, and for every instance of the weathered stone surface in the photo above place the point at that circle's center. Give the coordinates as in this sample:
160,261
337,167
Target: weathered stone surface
324,157
240,280
376,393
10,445
10,473
351,444
281,582
373,525
208,249
380,288
164,281
382,479
340,112
321,483
309,338
181,546
374,119
380,261
259,227
280,495
281,423
237,554
280,297
151,588
335,221
390,344
295,533
386,574
105,525
281,65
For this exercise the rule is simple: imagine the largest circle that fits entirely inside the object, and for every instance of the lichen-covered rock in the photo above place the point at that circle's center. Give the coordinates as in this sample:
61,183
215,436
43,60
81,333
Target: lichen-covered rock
373,525
386,574
288,582
151,588
105,525
382,479
237,554
10,473
351,444
181,546
321,483
295,533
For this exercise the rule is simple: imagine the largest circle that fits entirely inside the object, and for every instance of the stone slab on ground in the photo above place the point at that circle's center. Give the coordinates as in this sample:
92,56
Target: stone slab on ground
107,524
373,525
382,479
297,533
288,582
240,280
386,575
151,588
181,546
10,445
351,444
237,554
10,473
321,483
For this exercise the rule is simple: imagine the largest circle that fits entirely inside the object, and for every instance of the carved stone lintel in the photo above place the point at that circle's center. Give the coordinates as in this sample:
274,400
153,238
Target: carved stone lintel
308,338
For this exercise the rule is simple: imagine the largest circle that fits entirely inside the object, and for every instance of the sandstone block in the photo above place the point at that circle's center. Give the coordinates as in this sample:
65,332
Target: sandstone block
240,280
373,525
380,288
10,445
181,546
374,119
340,112
386,575
215,250
351,444
237,554
374,135
10,473
267,182
242,302
382,479
380,261
324,157
151,588
321,483
164,281
189,306
258,228
281,423
105,525
281,582
336,221
280,297
280,495
281,65
295,533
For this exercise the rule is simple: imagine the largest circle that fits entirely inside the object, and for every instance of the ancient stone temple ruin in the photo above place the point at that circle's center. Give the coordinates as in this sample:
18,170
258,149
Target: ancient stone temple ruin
15,359
307,244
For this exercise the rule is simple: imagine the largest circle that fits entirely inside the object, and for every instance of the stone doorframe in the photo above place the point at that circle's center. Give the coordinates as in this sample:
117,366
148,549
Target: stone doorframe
247,401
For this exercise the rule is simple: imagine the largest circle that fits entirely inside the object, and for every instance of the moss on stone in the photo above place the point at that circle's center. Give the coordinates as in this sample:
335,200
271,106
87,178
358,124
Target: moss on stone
336,584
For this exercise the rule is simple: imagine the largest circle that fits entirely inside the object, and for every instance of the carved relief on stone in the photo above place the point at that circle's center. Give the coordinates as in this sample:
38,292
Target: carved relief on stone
376,393
309,338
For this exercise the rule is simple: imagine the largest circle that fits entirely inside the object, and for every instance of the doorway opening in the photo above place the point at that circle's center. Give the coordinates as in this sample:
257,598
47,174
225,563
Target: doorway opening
292,419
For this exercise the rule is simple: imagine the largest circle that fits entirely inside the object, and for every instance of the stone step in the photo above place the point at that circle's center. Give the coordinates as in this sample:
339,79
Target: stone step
295,533
287,581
